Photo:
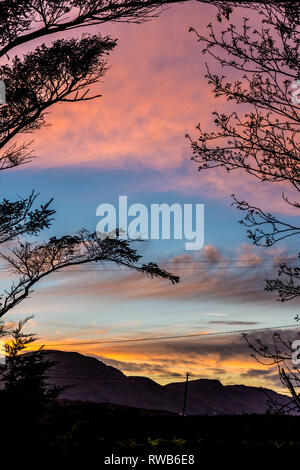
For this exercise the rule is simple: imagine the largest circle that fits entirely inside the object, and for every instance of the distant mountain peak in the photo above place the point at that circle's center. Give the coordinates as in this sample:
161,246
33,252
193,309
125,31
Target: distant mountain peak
94,381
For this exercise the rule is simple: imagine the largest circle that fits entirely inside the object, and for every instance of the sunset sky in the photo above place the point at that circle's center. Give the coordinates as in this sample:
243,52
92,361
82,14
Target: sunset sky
131,141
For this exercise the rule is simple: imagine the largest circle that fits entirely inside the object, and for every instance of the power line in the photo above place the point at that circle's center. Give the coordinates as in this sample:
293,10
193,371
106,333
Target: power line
228,260
172,269
163,338
158,338
101,377
120,270
99,327
2,268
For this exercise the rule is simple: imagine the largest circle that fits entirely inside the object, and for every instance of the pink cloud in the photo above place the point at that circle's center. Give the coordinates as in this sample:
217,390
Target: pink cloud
153,94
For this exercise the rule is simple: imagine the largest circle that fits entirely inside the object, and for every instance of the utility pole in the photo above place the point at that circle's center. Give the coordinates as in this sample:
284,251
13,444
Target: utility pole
185,393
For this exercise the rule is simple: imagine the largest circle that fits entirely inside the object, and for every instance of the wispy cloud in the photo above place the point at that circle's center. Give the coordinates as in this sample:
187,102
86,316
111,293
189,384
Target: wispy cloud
237,277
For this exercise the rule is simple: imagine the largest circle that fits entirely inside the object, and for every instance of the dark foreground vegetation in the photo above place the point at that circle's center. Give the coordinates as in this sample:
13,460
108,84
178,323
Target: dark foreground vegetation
80,432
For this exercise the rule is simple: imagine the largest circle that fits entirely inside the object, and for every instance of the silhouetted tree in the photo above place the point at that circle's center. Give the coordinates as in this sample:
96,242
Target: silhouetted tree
279,352
23,21
262,141
61,72
25,393
24,373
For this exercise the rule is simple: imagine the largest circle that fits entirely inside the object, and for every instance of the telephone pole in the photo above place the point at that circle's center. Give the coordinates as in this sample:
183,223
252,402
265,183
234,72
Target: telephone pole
185,393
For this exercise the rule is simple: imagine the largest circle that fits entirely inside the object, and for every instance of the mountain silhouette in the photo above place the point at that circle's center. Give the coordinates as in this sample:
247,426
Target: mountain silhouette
90,380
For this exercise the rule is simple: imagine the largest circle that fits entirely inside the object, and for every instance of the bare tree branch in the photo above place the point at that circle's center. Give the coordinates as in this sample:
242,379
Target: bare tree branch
33,262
